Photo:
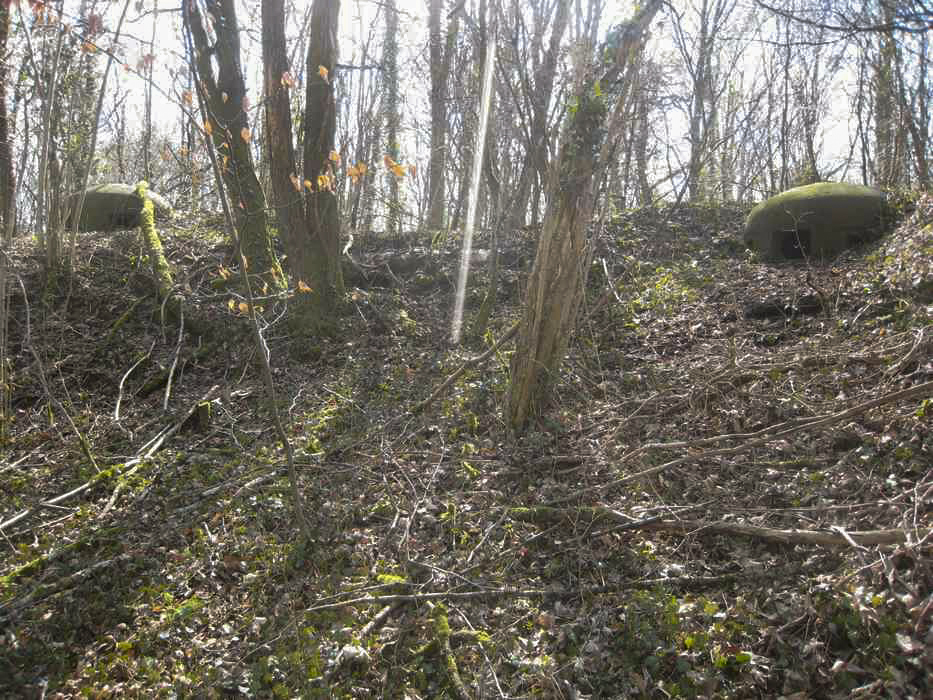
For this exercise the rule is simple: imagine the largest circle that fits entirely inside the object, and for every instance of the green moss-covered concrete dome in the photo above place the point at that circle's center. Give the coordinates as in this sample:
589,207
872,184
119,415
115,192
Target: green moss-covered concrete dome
114,207
815,221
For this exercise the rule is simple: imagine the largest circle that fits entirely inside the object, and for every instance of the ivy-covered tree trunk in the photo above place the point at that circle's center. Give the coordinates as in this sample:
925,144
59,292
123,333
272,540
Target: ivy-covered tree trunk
558,277
226,104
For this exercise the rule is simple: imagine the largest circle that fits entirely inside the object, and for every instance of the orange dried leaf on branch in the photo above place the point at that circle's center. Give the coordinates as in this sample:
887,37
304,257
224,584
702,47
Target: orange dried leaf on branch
323,72
187,97
246,134
302,287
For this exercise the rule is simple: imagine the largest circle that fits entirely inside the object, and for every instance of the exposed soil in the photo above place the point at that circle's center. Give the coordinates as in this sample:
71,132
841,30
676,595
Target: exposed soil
731,496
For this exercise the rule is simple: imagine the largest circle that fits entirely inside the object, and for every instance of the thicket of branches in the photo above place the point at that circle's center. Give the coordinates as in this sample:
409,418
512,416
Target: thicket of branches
732,102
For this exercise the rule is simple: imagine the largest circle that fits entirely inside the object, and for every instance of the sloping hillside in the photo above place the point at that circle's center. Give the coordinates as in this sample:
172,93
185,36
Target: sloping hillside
731,496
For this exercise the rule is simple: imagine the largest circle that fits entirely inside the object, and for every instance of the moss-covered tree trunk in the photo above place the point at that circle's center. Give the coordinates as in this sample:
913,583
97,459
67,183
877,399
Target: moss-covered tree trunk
161,271
226,104
558,277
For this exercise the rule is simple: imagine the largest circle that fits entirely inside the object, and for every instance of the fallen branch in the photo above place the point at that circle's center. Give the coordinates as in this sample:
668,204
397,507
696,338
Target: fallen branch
442,632
125,469
680,582
463,368
43,591
757,439
836,537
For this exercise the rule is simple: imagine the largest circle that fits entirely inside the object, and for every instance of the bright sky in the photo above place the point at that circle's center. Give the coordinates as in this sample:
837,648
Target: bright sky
360,19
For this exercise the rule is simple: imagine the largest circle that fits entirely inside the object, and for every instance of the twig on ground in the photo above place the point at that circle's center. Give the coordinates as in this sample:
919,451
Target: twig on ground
378,620
116,409
177,353
836,538
41,592
463,368
685,582
128,467
762,437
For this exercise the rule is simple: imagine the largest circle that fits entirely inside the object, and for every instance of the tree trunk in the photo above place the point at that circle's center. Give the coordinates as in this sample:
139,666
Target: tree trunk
441,50
319,133
558,277
7,181
229,129
305,207
286,185
392,119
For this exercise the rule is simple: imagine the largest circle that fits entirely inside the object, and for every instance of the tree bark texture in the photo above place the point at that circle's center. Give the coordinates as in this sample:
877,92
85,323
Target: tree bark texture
305,206
392,119
323,223
7,181
441,50
287,187
230,132
558,277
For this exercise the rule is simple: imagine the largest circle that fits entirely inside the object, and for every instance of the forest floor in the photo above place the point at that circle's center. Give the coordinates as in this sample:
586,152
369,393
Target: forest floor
731,496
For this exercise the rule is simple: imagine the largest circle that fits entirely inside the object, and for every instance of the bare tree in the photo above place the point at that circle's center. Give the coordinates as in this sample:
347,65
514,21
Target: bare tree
535,60
391,119
558,277
890,126
7,181
698,41
224,95
306,207
441,50
914,97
